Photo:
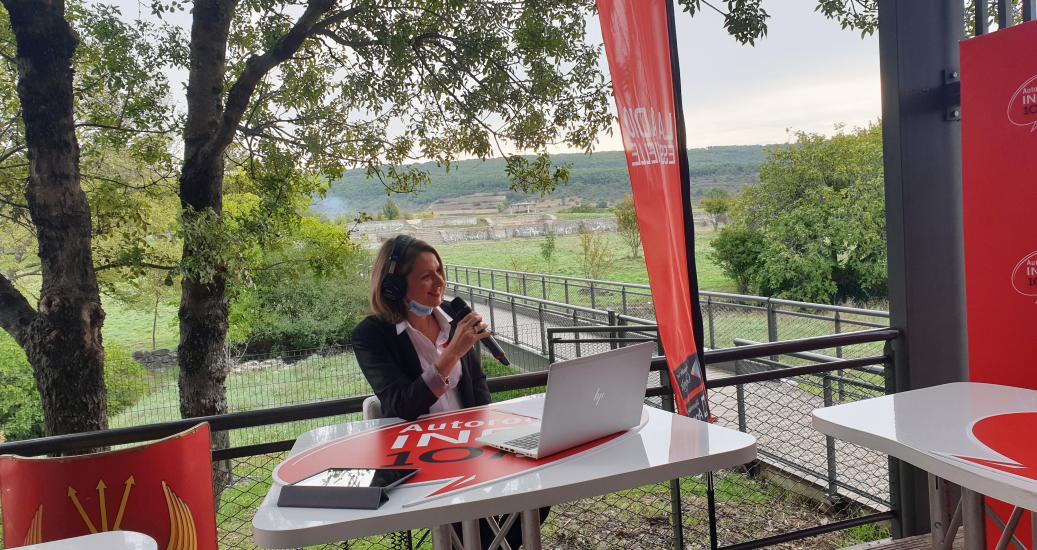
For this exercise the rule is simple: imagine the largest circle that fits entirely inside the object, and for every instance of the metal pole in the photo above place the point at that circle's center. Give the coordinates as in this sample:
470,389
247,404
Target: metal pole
711,508
939,516
514,322
1005,14
833,488
489,301
676,516
593,306
531,529
441,537
709,316
918,43
839,353
982,17
576,333
772,325
612,335
470,532
975,528
543,329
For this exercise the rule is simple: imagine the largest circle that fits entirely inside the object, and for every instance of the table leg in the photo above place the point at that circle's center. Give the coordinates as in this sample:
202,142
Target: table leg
952,528
442,537
975,523
531,529
1033,530
1009,530
470,532
939,519
501,531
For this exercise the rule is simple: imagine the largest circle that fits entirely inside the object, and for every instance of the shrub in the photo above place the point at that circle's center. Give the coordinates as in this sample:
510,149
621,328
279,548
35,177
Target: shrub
21,413
737,251
302,314
595,255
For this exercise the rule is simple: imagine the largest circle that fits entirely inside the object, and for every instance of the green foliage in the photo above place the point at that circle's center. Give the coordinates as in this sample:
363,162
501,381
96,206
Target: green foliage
547,250
124,378
717,205
595,254
390,211
626,219
308,291
820,213
21,414
124,127
737,251
583,208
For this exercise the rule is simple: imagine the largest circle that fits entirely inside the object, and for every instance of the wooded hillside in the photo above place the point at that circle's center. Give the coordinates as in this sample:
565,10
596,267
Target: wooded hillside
597,177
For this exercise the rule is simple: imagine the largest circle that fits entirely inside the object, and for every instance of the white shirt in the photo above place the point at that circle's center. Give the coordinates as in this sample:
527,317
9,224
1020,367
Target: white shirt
428,354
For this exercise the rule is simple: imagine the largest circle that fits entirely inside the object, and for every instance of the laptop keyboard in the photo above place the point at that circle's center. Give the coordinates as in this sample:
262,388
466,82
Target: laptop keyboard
530,442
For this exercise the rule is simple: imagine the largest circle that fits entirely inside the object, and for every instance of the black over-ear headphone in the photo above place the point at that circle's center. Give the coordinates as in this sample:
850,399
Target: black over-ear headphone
394,285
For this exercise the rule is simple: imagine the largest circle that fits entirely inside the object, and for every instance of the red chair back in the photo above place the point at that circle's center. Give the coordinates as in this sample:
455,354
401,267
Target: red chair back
162,489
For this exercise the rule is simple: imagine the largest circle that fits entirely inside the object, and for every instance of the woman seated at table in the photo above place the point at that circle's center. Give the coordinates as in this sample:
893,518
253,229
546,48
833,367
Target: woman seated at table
416,362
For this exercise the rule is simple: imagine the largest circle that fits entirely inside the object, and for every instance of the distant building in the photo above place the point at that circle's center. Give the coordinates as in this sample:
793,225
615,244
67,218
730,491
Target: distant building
526,207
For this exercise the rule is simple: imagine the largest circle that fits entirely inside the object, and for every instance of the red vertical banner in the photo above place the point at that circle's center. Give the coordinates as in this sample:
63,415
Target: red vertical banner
639,44
999,205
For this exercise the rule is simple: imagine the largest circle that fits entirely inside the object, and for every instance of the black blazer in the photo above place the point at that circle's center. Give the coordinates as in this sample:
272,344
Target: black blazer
391,366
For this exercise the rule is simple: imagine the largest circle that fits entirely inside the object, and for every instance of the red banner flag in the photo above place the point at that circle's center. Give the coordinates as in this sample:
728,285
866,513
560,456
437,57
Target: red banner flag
638,42
999,119
162,489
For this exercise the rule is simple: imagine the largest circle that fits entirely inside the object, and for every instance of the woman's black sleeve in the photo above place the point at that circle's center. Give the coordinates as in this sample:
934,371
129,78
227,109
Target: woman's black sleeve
399,395
480,389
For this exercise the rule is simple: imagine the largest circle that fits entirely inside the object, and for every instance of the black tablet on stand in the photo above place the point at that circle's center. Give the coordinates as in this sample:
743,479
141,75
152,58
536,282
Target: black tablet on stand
361,488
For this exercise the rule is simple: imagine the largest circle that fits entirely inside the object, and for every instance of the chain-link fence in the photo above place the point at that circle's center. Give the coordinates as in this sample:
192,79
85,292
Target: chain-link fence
769,497
725,317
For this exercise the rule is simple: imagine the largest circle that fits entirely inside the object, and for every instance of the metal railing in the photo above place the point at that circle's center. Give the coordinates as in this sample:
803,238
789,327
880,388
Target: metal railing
726,510
725,316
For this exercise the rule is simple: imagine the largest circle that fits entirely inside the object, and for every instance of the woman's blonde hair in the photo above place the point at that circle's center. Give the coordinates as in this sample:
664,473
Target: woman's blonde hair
385,309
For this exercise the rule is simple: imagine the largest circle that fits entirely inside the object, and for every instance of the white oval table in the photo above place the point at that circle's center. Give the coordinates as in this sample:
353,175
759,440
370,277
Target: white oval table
666,446
108,540
977,436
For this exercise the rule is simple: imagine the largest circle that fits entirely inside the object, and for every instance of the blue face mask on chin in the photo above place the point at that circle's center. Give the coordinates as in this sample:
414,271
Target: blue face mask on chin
420,310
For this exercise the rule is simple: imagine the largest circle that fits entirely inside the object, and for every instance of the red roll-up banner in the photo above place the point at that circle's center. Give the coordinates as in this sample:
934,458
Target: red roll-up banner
639,44
999,193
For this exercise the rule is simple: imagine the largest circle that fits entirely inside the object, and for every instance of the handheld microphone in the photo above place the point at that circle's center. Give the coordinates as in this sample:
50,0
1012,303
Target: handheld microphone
459,310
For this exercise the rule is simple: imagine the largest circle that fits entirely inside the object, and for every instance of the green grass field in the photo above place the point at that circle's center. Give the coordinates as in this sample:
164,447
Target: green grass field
132,327
524,255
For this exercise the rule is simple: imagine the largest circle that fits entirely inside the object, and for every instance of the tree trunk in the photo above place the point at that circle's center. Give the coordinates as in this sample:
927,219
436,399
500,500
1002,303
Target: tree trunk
62,340
202,352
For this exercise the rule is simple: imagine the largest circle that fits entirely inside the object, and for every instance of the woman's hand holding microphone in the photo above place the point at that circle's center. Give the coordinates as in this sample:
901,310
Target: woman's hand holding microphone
467,334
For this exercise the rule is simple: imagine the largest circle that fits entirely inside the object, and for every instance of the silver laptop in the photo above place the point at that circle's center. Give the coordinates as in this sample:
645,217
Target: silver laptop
586,398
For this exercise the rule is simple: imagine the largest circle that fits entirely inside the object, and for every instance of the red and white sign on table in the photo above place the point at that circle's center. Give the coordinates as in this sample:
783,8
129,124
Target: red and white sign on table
965,433
460,480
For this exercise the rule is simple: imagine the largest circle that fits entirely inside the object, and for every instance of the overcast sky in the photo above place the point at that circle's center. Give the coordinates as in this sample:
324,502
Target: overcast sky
807,74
